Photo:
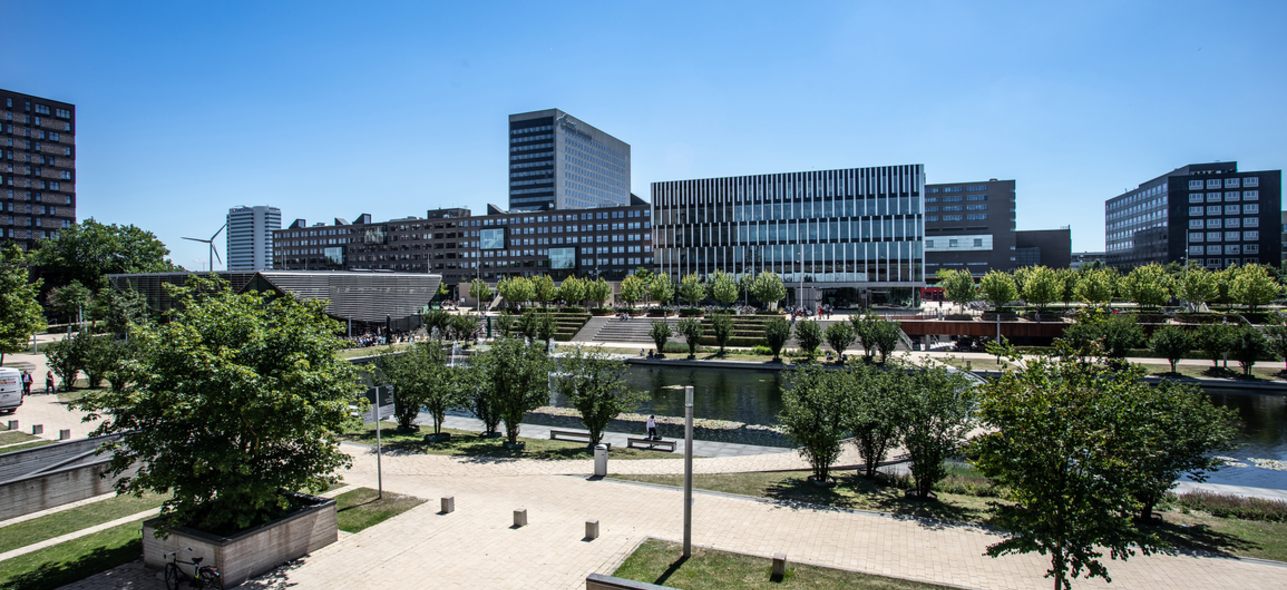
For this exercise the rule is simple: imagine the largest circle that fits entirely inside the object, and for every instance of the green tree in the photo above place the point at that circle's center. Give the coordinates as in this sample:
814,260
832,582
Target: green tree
886,336
662,289
998,289
506,325
768,288
543,289
815,409
1247,346
776,333
516,290
692,290
1214,340
1147,286
120,310
125,371
1276,334
1054,444
865,331
958,286
875,416
632,290
422,379
840,335
546,326
660,333
572,290
481,397
723,288
462,326
935,417
71,303
479,290
1069,279
1253,286
1096,287
518,376
598,292
1042,287
692,330
1196,286
595,385
20,314
67,357
1224,284
1184,430
809,335
1171,343
436,319
1120,335
722,329
89,251
245,386
100,358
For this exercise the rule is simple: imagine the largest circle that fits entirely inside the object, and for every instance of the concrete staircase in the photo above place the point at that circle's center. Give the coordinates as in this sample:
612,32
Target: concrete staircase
634,330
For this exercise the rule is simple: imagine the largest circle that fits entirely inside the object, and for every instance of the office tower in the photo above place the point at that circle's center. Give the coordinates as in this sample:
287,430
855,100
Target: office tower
559,162
850,236
37,167
1211,214
250,237
970,226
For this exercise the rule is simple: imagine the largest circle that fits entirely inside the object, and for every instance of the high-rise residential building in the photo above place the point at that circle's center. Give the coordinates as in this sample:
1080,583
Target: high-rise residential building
37,167
559,162
849,236
1211,214
970,226
250,237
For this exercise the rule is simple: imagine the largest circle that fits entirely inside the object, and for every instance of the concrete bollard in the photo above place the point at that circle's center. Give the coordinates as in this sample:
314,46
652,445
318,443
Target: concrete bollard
64,434
38,429
520,518
779,566
448,504
13,425
592,529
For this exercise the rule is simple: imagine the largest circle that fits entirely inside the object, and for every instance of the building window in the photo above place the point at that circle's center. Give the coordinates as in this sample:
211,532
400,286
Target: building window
1195,197
1232,249
1214,250
1212,223
1251,182
1195,236
1195,211
1251,222
1251,248
1195,224
1213,197
1233,236
1232,210
1250,208
1250,236
1214,236
1214,183
1232,222
1213,210
1251,195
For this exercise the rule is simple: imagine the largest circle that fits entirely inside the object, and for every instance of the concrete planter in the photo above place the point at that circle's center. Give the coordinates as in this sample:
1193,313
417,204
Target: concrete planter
254,551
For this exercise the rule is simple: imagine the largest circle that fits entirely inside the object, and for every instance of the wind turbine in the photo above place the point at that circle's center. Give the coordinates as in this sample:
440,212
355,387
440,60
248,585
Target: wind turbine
214,254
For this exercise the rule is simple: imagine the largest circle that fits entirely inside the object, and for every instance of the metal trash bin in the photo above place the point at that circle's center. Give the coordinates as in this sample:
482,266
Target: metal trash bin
600,460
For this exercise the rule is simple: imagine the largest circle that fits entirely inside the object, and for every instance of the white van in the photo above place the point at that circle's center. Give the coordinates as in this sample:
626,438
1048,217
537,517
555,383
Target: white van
10,389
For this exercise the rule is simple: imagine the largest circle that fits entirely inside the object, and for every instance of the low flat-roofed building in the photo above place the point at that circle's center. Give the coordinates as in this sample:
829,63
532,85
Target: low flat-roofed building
365,297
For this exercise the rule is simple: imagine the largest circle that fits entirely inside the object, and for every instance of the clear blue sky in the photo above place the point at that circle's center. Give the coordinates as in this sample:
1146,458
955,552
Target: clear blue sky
391,108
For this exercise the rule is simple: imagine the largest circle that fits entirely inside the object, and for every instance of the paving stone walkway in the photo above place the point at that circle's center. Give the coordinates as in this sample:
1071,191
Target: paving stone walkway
475,547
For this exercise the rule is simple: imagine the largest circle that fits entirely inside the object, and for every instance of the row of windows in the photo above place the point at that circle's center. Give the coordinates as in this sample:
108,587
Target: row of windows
525,148
1248,209
531,129
532,138
1215,183
530,156
970,217
40,108
1229,236
1227,249
1231,196
1213,223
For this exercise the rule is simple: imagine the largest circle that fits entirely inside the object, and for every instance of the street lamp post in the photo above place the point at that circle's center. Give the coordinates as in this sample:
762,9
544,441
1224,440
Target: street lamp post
688,471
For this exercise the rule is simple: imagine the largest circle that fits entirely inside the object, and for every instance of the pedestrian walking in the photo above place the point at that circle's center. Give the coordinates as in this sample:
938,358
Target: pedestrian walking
50,386
652,428
26,383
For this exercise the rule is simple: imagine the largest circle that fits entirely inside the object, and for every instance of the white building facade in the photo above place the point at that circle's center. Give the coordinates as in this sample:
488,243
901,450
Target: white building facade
250,237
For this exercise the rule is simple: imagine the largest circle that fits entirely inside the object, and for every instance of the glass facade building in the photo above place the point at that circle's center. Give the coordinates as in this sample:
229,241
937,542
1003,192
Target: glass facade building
853,228
559,162
250,237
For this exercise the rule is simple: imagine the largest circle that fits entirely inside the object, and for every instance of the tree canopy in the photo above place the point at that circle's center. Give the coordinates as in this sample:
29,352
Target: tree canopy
20,314
89,251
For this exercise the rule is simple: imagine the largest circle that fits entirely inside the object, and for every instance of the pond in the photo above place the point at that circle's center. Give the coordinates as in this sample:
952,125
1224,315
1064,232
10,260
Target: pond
754,396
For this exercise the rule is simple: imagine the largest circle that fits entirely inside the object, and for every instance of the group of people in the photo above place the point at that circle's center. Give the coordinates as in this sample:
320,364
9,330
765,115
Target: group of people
51,386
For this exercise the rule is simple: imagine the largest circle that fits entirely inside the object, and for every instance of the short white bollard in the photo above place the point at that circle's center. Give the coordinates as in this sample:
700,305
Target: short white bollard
779,566
38,429
448,504
520,518
591,529
64,434
13,425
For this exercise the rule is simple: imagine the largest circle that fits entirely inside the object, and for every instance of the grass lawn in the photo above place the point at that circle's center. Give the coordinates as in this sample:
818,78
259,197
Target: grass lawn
81,390
9,438
349,353
1260,372
359,509
464,443
73,560
976,364
74,519
661,562
25,446
1191,530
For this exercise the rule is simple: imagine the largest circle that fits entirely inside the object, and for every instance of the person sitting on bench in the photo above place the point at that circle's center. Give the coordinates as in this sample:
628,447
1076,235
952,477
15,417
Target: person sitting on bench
652,429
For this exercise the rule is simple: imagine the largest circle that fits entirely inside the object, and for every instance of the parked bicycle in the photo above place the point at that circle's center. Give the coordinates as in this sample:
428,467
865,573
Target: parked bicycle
203,576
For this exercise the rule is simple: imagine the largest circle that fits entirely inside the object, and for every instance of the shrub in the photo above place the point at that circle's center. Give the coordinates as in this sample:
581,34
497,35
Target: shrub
810,337
690,312
692,331
777,331
1248,345
1231,506
601,310
1171,343
761,349
722,326
660,333
840,335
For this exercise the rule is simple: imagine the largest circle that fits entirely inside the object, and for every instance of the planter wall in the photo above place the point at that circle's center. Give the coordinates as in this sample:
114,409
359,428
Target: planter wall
254,551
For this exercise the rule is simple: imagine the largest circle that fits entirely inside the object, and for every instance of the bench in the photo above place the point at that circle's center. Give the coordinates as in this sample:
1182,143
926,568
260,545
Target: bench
570,436
650,444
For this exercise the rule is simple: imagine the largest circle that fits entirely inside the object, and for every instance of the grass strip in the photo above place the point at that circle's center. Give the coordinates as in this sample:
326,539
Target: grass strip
15,437
71,520
359,509
30,445
70,561
464,443
662,562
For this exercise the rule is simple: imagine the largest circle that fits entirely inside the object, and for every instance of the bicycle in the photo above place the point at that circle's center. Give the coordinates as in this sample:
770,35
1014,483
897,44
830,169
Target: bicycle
204,576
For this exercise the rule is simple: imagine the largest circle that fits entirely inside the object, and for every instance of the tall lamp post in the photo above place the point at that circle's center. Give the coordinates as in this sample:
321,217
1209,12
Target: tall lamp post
688,471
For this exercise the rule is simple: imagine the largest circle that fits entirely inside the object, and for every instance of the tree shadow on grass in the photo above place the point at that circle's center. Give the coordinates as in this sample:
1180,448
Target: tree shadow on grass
1200,538
57,574
857,492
